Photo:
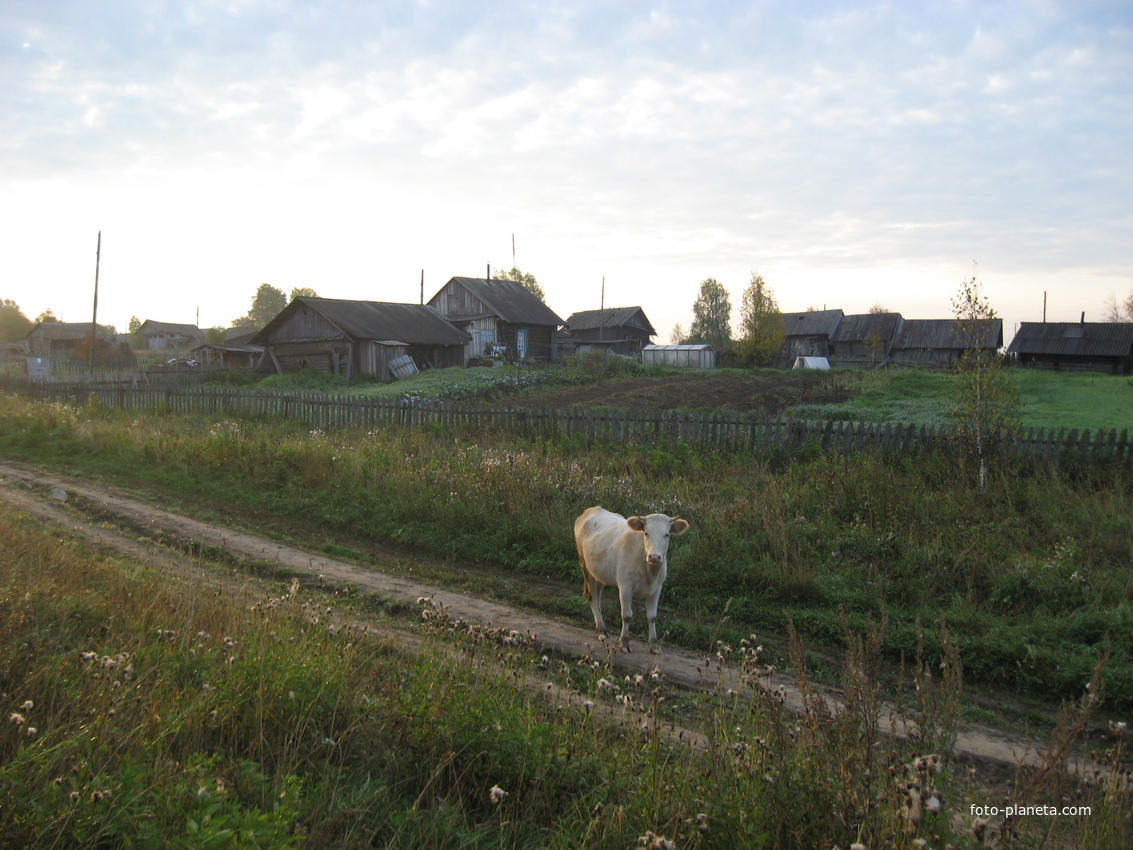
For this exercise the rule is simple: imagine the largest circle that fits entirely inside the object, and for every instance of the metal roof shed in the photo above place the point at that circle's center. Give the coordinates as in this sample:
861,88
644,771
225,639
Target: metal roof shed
701,356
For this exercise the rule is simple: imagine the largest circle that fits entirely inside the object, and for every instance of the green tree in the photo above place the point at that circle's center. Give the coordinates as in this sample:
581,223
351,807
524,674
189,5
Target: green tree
761,324
266,305
985,406
303,292
216,335
677,337
14,325
712,316
46,316
526,278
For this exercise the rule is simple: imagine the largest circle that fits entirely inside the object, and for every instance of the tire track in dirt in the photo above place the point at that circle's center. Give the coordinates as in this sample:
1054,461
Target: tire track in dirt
30,490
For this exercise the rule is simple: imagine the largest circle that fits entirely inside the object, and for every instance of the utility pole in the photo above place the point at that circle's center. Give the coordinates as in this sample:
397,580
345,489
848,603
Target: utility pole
94,312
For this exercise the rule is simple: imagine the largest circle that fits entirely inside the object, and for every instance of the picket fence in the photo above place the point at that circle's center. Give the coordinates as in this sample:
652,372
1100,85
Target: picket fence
728,431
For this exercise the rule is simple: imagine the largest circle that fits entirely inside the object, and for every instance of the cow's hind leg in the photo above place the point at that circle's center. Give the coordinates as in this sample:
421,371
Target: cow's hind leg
592,591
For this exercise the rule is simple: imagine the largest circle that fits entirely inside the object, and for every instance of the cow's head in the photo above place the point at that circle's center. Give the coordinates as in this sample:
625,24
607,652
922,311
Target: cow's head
656,529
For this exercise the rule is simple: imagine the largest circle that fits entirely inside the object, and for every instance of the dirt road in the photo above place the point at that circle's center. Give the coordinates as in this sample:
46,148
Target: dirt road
109,518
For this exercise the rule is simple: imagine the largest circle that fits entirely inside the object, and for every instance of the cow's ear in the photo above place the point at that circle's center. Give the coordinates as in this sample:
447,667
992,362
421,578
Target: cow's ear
636,523
679,526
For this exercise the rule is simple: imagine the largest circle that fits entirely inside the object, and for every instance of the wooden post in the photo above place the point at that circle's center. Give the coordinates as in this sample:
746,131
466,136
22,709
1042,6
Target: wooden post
94,313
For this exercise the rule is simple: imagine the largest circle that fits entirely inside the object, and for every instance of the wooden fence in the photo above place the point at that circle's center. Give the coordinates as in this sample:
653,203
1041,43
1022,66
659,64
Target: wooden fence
725,430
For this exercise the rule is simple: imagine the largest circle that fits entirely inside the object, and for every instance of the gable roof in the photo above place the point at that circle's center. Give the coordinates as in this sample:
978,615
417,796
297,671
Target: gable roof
1081,339
612,317
149,326
375,320
62,330
812,322
509,300
950,334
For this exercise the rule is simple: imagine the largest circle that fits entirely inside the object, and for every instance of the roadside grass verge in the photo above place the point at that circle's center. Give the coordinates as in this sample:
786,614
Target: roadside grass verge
140,710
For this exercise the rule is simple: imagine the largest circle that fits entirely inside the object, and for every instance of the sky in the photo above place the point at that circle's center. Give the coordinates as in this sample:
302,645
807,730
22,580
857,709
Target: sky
854,154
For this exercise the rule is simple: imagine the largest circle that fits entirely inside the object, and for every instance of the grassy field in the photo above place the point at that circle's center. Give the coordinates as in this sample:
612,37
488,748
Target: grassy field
142,711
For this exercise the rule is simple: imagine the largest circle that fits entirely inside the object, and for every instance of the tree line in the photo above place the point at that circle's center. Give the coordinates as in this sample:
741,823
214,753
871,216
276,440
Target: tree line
761,331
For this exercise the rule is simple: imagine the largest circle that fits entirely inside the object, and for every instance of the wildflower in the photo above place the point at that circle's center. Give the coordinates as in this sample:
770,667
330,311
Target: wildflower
88,657
32,732
74,796
27,706
702,823
857,846
606,685
497,795
1117,729
652,841
17,718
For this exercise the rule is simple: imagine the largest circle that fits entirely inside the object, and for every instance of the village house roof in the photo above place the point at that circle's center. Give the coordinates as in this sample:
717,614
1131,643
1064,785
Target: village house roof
865,325
411,324
612,317
812,322
508,300
150,327
1074,339
922,334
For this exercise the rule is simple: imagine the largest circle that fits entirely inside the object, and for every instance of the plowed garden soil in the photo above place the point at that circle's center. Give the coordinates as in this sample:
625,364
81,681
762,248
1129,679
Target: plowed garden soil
745,393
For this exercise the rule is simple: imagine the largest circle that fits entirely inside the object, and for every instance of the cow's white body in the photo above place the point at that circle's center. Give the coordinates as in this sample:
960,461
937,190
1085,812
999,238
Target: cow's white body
630,554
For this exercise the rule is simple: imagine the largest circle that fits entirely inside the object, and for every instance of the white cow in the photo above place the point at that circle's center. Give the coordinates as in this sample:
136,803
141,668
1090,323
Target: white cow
629,553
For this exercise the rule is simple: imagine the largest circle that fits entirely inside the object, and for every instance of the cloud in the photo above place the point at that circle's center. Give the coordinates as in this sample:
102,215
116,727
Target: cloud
667,140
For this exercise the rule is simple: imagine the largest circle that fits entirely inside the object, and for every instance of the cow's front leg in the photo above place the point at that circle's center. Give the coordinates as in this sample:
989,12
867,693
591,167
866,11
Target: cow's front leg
625,596
651,615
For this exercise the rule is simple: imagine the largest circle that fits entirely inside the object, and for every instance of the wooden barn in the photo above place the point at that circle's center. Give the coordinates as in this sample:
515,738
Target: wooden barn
1103,346
617,330
941,342
495,314
807,334
864,339
60,339
352,338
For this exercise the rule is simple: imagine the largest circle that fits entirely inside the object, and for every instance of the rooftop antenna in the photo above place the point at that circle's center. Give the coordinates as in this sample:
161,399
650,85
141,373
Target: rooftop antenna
513,250
422,286
94,313
603,301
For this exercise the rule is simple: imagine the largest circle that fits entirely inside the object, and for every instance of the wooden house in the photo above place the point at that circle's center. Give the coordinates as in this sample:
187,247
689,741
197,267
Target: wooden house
496,315
617,330
170,336
1106,346
352,338
807,334
865,339
941,342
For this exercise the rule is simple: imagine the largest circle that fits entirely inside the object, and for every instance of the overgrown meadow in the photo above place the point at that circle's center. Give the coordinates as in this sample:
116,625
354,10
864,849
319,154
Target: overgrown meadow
141,710
1032,576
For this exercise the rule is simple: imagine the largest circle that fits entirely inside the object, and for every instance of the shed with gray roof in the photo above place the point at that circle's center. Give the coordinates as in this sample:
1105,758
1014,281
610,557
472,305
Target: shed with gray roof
1104,346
